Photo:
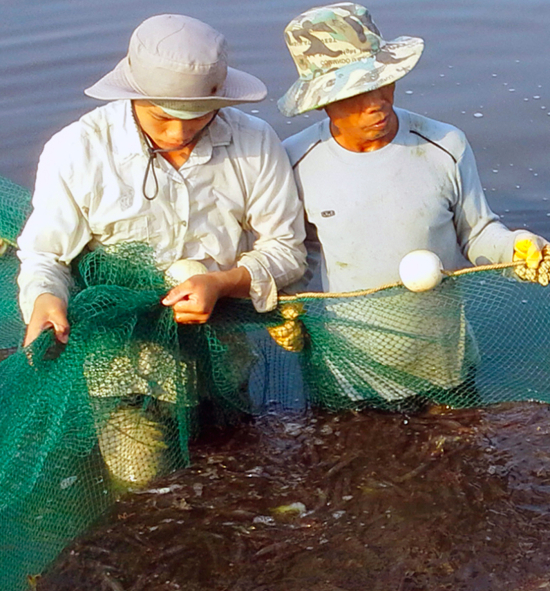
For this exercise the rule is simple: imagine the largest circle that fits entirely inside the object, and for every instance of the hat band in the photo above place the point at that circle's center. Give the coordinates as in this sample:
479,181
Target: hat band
330,65
177,110
160,81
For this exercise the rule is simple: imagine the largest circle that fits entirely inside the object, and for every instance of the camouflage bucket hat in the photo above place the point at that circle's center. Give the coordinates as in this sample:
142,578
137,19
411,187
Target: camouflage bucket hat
339,53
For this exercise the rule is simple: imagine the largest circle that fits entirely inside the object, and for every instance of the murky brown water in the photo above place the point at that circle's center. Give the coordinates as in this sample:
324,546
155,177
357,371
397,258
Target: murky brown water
448,500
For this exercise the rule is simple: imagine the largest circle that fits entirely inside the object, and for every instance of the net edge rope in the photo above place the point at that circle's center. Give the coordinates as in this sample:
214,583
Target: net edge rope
363,292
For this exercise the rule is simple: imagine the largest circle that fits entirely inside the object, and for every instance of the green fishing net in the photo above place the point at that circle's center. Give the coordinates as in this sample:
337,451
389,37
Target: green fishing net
117,406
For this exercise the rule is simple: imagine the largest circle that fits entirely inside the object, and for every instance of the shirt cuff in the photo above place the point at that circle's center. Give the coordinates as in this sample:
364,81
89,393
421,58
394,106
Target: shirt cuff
263,289
28,297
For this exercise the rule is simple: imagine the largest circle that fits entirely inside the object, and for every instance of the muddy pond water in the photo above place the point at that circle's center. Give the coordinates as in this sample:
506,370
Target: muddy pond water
445,500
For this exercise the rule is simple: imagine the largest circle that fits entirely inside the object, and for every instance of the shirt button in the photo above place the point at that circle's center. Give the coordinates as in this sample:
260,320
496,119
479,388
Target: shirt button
184,224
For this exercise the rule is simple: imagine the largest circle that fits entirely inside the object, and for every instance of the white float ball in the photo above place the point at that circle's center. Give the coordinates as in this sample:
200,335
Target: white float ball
421,270
181,270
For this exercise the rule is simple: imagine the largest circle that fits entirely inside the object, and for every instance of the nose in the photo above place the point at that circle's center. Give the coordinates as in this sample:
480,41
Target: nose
175,131
377,99
374,100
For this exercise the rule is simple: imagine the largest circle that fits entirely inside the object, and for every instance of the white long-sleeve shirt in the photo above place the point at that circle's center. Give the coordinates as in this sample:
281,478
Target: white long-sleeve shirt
233,202
421,191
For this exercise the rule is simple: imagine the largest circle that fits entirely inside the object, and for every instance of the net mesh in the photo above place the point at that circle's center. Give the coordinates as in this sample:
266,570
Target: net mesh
117,406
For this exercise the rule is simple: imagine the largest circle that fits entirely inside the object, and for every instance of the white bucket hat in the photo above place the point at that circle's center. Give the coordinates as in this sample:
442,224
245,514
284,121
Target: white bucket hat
339,53
172,57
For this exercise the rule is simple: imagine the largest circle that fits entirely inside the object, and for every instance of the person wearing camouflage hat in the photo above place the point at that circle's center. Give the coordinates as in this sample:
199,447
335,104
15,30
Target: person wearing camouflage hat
409,181
377,181
339,52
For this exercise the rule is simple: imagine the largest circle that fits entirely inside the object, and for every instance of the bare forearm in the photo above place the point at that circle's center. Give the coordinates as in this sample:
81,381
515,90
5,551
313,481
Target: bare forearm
234,283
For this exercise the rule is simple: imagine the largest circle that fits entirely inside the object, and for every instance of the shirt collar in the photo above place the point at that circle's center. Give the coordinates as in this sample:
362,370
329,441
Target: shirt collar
218,134
220,130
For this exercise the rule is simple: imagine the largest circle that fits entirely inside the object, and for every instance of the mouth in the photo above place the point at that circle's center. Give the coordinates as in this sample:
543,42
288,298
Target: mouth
178,146
381,123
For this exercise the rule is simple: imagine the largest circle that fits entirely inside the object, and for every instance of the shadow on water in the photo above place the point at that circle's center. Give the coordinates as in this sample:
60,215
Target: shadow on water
448,499
484,69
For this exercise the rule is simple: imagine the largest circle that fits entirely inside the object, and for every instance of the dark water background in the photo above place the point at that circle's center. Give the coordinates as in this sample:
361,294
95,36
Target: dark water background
486,69
451,500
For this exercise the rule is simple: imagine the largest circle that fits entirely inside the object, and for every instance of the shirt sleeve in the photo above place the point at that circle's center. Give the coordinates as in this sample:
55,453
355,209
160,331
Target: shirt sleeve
55,233
275,216
483,239
311,280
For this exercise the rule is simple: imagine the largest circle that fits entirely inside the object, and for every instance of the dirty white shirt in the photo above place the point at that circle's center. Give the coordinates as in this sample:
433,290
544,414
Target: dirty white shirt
234,202
421,191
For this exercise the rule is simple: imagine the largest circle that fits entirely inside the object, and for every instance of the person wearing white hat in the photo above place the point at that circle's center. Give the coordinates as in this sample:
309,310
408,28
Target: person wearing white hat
378,182
170,162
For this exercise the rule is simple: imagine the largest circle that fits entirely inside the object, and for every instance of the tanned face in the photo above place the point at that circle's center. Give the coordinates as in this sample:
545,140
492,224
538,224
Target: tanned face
167,132
365,122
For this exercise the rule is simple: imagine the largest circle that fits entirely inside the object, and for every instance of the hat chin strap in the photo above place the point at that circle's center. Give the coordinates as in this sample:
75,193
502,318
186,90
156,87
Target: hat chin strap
150,168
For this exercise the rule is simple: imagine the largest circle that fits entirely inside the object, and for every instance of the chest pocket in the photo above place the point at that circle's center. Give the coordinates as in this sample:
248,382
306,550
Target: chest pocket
133,230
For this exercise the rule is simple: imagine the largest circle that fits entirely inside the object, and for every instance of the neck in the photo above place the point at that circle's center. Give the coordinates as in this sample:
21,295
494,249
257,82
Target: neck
358,141
177,158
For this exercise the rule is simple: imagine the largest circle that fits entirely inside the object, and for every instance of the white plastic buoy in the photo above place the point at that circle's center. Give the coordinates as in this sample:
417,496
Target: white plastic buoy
181,270
421,270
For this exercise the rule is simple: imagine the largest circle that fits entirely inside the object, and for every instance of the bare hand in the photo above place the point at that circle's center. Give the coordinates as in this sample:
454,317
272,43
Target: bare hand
193,300
49,312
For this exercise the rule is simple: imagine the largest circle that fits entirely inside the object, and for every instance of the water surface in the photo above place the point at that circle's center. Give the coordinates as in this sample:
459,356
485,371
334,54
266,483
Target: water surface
447,500
485,69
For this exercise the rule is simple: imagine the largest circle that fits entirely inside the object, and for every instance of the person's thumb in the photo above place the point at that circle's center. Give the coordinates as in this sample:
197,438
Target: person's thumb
61,328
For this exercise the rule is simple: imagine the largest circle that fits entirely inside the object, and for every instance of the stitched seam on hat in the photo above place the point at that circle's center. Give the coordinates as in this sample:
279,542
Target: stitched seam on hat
178,65
435,144
168,37
175,62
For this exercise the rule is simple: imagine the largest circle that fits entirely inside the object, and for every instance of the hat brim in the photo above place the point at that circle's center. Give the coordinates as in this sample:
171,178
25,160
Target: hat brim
395,59
239,87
